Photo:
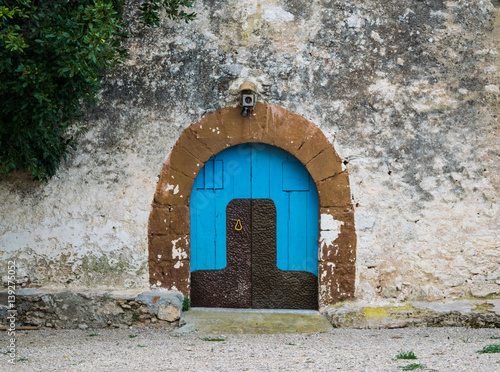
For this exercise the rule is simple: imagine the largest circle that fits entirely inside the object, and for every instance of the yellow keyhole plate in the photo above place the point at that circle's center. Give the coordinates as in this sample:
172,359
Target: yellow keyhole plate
238,225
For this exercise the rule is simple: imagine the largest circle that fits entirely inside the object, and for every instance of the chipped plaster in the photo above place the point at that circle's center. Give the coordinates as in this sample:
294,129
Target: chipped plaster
407,92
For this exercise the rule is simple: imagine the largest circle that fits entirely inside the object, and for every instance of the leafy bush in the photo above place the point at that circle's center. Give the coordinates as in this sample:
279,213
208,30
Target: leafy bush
53,54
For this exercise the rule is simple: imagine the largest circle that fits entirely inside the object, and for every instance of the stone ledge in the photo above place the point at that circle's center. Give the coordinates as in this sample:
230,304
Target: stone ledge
480,313
93,308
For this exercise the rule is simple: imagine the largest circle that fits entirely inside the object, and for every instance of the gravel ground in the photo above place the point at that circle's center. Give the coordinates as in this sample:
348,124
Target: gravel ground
440,349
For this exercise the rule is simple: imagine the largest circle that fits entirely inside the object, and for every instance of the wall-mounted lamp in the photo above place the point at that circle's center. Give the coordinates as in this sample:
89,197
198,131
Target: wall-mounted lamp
248,97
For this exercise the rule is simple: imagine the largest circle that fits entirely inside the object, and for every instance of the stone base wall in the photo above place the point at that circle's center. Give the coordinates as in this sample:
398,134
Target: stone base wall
92,309
101,309
473,313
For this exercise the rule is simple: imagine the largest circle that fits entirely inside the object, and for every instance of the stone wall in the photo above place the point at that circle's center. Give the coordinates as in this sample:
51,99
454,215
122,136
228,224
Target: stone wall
407,92
92,309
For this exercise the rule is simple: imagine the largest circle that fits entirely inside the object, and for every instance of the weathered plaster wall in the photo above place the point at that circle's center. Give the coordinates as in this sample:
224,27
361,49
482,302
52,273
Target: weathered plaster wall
407,91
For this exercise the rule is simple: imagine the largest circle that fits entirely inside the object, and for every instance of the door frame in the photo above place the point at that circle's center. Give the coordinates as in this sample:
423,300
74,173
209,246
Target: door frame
169,221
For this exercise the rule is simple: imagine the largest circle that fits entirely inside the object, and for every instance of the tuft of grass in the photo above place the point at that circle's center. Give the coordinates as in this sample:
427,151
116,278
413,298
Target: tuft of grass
412,366
213,339
22,359
466,340
495,337
186,304
93,335
132,336
405,355
142,345
289,343
489,349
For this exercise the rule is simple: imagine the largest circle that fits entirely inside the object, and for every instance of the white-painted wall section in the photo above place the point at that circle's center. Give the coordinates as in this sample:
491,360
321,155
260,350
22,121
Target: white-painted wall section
407,91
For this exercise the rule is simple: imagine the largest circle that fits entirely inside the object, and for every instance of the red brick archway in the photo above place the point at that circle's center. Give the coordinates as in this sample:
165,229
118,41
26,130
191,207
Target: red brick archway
168,233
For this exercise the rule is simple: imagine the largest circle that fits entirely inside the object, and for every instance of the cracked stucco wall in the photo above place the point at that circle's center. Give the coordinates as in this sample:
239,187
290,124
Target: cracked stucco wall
407,91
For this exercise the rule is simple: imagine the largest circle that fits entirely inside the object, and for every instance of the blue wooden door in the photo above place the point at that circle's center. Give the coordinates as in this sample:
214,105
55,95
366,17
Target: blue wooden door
255,171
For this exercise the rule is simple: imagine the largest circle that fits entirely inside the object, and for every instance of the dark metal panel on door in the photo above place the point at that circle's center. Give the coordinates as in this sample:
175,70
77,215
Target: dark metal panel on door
273,288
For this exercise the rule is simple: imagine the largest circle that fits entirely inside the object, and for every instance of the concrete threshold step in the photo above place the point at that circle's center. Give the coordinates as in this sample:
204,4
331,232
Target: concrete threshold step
255,321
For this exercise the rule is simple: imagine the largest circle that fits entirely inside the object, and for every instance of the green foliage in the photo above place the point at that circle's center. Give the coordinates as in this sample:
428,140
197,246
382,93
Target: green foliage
490,349
405,355
186,304
216,339
53,54
174,9
412,366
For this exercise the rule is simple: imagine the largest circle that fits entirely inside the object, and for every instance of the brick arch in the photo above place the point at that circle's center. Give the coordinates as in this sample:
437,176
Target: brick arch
169,230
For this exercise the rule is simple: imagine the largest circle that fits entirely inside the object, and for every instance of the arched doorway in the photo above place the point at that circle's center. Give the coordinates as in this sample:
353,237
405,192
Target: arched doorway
169,223
254,231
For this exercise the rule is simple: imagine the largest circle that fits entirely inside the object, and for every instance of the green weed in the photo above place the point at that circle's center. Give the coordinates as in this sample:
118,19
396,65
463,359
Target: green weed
142,345
186,304
22,359
405,355
132,336
213,339
490,349
412,366
93,334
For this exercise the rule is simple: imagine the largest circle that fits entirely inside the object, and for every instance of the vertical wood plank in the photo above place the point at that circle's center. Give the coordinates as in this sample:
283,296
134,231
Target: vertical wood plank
261,162
209,174
205,228
281,201
312,221
297,232
218,175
